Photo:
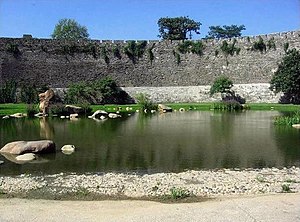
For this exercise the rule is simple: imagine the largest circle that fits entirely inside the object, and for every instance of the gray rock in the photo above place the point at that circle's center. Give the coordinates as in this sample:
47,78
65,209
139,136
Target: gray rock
68,149
20,147
113,115
297,126
98,113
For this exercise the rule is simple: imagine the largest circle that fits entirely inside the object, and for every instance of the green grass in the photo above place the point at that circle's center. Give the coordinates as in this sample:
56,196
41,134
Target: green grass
273,106
10,108
7,109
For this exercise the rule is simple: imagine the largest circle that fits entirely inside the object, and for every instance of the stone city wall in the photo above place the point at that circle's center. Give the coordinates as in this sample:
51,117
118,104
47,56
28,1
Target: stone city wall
59,63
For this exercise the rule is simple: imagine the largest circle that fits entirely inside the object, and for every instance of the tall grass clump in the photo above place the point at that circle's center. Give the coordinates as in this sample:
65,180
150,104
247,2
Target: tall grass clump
288,120
145,102
179,193
230,105
31,110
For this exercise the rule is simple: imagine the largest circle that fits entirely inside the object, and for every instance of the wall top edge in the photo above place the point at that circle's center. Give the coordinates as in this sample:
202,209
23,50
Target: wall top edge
270,35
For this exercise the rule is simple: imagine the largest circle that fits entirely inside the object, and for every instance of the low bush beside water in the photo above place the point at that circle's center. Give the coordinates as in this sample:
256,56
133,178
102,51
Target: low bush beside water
145,103
288,120
32,109
230,105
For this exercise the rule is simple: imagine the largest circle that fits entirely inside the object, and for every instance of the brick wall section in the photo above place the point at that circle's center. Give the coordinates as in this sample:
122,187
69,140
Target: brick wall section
43,62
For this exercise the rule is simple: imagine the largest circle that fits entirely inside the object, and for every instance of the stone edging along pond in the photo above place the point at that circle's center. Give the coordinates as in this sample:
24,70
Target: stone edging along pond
198,184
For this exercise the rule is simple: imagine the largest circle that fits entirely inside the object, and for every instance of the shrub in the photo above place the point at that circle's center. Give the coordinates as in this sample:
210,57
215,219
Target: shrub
78,93
8,92
104,91
32,109
286,188
145,103
29,94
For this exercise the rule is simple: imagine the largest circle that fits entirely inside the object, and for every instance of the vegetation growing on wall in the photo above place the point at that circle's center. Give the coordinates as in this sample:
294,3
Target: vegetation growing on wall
271,44
259,45
135,50
104,54
150,53
13,48
286,46
116,51
190,46
229,49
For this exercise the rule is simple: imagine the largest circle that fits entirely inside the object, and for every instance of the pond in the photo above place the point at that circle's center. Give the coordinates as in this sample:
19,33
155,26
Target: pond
170,142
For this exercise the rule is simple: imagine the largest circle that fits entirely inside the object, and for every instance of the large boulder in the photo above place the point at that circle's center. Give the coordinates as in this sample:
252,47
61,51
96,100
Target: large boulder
20,147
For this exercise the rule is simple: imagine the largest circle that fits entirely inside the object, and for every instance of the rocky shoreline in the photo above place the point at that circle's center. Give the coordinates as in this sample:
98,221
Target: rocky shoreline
199,184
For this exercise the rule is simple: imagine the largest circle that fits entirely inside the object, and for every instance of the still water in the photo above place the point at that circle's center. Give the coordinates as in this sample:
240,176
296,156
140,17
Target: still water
170,142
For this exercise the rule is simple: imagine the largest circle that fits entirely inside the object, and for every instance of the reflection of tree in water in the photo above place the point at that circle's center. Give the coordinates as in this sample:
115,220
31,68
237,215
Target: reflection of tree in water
18,129
288,141
230,161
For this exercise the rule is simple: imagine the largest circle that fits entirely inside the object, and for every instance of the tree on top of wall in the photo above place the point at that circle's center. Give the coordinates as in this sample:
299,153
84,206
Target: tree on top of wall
226,31
177,28
69,29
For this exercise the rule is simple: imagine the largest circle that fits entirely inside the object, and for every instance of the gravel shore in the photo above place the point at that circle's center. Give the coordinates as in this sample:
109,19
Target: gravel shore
204,183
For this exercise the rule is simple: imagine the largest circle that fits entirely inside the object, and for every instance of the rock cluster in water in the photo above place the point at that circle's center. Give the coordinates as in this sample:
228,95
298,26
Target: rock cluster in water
206,183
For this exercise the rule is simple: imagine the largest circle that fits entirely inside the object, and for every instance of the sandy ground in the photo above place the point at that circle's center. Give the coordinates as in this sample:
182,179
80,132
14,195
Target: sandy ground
279,207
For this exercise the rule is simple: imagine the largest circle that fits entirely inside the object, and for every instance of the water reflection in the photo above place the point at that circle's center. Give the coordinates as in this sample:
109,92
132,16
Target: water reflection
168,142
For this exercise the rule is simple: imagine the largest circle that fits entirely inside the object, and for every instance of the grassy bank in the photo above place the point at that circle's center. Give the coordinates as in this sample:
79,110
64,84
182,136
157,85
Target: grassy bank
7,109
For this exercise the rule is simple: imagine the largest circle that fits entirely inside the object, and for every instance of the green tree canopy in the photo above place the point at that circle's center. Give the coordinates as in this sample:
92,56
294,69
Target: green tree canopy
225,31
69,29
287,78
222,84
177,28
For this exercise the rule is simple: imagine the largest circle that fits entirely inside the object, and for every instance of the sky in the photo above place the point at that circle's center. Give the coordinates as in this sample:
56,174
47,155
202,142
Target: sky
137,19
